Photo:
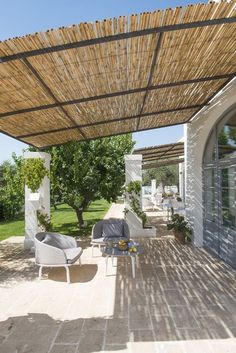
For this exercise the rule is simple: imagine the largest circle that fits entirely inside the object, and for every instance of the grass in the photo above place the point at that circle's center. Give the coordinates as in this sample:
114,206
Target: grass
64,221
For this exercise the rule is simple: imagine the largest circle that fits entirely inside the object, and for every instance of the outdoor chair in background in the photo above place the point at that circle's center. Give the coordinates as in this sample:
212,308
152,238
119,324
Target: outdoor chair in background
113,229
56,250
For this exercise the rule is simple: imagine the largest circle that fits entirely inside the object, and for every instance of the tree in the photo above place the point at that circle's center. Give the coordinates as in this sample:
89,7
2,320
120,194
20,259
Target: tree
167,175
86,171
11,188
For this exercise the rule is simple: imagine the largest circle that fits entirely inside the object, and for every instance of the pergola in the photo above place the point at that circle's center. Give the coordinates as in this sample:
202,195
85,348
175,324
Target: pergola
120,75
161,155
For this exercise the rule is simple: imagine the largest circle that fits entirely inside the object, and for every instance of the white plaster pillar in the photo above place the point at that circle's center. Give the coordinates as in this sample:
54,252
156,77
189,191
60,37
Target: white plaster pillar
133,170
36,201
153,187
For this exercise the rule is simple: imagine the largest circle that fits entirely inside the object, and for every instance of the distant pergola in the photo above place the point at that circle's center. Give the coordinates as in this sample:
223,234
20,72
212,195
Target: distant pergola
120,75
162,155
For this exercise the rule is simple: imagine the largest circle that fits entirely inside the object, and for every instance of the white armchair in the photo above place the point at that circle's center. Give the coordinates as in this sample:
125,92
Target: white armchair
56,250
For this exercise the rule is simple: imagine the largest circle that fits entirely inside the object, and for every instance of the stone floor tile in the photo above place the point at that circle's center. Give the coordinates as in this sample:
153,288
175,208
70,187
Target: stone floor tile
164,328
139,317
159,309
173,297
117,331
182,317
91,341
213,326
63,348
70,331
95,324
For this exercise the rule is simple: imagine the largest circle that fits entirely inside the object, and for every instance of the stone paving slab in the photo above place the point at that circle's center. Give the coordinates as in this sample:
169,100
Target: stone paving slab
182,300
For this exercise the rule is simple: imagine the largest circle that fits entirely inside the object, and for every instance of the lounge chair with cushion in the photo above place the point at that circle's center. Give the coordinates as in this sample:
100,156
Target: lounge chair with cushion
56,250
114,229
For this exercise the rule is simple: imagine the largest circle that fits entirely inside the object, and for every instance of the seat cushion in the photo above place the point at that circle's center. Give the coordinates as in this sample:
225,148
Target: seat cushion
72,254
112,229
59,241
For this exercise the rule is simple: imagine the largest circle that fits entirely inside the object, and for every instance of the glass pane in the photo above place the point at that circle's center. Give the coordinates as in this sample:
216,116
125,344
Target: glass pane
209,195
228,217
228,197
227,139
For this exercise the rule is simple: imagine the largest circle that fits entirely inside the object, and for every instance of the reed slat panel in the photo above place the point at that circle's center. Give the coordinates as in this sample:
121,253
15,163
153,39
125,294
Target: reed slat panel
115,66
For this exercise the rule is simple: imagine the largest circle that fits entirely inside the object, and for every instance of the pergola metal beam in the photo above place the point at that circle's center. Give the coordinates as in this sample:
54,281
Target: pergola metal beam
153,65
161,164
167,155
104,122
49,91
158,153
115,37
158,147
118,94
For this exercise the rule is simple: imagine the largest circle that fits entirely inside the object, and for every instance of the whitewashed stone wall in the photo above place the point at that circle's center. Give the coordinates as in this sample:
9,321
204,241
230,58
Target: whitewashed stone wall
196,136
36,201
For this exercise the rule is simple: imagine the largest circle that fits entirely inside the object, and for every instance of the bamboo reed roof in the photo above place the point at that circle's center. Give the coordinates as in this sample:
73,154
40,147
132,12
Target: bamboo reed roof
116,76
161,155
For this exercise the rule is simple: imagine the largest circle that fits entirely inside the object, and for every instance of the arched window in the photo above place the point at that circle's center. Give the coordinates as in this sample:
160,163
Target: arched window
219,171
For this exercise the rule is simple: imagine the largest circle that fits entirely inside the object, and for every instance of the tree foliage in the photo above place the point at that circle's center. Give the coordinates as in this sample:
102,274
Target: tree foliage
85,171
11,188
167,175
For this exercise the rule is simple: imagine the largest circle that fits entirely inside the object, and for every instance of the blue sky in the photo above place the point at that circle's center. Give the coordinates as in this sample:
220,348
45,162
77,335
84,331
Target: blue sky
20,17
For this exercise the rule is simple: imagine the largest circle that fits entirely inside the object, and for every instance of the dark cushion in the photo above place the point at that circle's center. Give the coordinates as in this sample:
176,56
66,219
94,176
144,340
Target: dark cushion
112,229
59,241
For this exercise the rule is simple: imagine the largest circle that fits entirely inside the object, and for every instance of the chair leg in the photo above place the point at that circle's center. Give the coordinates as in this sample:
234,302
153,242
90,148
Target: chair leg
40,272
67,274
80,263
92,249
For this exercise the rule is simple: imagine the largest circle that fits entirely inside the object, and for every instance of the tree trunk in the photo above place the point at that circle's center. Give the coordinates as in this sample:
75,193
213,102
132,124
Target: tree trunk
79,214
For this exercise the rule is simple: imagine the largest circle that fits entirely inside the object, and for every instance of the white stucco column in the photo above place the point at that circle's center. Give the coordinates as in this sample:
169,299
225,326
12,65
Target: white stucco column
153,186
133,170
36,201
196,137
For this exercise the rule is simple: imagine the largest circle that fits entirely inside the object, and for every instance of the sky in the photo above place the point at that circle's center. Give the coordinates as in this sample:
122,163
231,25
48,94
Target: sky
20,17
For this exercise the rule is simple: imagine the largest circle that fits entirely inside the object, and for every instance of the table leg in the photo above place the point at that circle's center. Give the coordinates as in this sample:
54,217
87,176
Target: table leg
133,265
106,263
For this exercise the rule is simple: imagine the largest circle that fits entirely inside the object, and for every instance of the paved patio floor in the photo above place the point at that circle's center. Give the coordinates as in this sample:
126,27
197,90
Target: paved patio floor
182,300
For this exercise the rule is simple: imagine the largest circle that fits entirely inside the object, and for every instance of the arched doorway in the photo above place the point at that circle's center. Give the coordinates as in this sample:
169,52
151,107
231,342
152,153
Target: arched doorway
219,192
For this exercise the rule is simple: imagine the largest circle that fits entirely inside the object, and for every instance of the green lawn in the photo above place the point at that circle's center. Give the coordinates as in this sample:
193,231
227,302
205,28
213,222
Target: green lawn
64,221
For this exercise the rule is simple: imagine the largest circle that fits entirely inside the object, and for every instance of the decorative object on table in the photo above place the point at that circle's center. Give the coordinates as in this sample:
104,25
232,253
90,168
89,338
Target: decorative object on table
123,245
182,230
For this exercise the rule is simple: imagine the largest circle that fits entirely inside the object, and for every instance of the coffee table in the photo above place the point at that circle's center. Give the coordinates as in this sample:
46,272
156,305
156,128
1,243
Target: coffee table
115,252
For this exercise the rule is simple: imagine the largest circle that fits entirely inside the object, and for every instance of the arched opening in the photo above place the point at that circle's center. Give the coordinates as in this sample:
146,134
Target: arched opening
219,191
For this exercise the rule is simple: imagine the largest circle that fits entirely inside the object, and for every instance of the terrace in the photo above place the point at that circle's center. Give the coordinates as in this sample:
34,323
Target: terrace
181,300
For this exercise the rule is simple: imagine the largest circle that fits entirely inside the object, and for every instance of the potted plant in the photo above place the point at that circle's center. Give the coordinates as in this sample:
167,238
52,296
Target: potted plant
182,230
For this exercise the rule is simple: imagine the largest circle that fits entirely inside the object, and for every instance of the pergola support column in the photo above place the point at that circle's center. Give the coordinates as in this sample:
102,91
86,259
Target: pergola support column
36,201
